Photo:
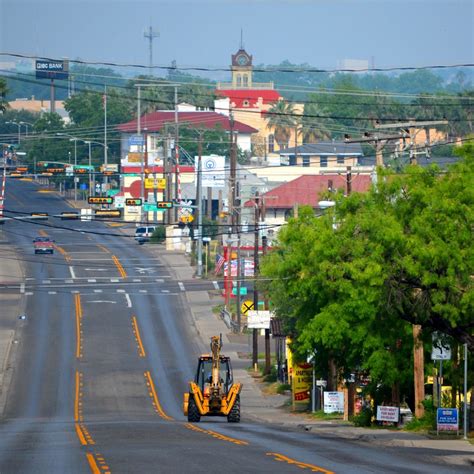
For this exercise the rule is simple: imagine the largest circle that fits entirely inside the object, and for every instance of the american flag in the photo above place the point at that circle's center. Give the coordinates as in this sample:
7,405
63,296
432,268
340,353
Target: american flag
219,262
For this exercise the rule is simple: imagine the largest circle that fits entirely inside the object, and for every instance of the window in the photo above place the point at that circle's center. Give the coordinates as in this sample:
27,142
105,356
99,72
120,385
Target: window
271,143
323,161
239,80
246,80
292,160
340,160
306,161
246,103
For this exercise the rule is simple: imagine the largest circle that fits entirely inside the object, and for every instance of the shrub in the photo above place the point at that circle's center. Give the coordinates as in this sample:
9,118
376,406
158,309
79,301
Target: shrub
364,418
159,235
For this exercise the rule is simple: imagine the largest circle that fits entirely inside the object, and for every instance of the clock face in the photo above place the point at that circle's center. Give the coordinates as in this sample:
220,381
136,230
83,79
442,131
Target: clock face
242,60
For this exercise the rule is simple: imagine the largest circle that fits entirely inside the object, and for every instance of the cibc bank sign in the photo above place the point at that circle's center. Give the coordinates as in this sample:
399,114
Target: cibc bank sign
51,69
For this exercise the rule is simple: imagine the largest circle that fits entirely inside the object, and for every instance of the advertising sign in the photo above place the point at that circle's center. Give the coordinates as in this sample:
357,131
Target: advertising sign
447,419
301,382
51,69
259,319
441,350
155,183
134,157
391,414
333,402
212,170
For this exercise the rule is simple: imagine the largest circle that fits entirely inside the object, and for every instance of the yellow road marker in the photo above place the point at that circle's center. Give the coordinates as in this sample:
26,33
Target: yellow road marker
93,464
80,435
141,350
43,233
216,435
77,300
302,465
102,247
121,270
63,253
154,397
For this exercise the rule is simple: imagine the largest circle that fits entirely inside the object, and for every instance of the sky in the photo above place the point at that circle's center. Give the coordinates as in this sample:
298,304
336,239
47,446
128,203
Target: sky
204,33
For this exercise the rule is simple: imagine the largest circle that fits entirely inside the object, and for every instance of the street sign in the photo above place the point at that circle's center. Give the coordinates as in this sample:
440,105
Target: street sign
133,202
441,349
136,140
246,306
100,200
243,291
186,219
155,183
107,213
447,419
259,319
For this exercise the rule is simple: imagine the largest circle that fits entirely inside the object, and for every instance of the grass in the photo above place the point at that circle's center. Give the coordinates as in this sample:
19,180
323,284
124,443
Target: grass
320,415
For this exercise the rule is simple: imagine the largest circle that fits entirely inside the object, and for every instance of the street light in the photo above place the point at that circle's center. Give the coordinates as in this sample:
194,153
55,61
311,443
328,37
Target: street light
26,125
18,125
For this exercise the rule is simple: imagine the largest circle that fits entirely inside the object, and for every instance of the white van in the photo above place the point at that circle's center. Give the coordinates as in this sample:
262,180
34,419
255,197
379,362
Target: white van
143,233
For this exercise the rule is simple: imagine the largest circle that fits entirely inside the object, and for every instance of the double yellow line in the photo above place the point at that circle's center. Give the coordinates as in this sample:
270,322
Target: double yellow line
154,397
119,266
141,349
214,434
77,300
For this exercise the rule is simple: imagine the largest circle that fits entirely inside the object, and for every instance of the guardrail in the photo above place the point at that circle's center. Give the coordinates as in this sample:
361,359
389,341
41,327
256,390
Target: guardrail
227,318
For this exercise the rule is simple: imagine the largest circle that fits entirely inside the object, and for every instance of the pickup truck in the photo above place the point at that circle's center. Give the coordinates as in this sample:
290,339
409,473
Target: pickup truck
43,245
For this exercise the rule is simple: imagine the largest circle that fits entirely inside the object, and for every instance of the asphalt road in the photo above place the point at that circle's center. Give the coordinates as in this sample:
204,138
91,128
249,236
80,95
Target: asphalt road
104,357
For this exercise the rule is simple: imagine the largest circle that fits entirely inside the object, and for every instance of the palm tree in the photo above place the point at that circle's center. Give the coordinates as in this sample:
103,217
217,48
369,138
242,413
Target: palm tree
3,93
314,128
281,117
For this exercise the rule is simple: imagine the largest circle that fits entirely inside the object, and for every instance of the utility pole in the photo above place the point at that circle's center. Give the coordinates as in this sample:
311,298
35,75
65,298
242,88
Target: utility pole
199,206
418,371
233,173
150,35
239,285
177,183
139,131
255,272
267,331
348,181
106,179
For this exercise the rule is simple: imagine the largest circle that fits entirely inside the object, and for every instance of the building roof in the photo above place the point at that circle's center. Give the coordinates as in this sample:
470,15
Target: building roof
306,190
155,121
325,148
441,161
238,96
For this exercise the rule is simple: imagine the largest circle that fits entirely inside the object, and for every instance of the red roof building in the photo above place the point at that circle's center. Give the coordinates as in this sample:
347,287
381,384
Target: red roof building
247,98
155,122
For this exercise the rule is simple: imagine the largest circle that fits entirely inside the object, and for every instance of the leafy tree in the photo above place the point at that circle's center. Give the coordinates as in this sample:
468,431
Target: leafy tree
314,129
3,94
400,255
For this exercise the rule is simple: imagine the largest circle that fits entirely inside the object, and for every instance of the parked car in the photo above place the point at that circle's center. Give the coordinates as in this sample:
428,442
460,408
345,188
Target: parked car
43,245
143,233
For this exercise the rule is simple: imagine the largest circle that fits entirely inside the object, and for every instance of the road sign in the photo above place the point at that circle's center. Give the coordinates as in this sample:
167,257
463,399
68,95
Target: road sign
133,202
441,349
155,183
135,140
258,319
107,213
247,305
186,219
100,200
243,291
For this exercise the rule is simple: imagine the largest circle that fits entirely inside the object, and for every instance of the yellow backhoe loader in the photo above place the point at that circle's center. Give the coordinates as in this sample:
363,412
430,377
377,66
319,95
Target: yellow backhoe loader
213,391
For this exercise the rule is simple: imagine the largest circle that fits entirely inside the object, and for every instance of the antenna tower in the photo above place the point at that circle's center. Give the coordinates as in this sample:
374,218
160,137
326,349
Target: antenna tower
150,34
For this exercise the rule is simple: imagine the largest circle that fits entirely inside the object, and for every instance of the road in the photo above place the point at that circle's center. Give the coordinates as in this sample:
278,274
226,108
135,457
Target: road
102,360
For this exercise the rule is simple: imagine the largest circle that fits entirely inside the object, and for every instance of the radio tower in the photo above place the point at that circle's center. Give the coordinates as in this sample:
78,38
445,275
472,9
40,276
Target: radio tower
150,34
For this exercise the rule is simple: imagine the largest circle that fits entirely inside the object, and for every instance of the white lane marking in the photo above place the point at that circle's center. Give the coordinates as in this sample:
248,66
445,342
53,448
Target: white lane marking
30,278
97,269
46,281
91,280
22,288
165,291
181,285
51,292
68,281
216,285
74,291
101,301
143,291
97,291
129,301
114,280
71,271
120,291
160,280
28,293
136,280
145,270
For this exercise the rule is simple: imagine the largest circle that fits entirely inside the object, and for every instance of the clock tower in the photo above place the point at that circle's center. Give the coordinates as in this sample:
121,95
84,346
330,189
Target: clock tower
241,68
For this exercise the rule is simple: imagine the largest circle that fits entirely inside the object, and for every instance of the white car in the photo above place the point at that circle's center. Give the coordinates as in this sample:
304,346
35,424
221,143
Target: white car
143,233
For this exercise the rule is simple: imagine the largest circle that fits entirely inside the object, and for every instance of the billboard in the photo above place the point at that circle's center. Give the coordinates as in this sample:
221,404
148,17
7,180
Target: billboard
212,171
51,69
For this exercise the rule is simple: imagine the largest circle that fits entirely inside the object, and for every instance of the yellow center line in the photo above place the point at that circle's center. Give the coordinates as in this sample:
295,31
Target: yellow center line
80,435
154,397
214,434
141,350
102,247
93,464
43,233
302,465
121,270
63,253
76,398
77,299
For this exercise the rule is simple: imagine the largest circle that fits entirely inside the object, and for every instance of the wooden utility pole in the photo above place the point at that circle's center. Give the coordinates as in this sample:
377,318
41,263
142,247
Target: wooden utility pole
418,371
348,181
255,272
268,363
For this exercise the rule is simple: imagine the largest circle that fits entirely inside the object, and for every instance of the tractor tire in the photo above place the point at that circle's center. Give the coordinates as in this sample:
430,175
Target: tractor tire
193,413
234,414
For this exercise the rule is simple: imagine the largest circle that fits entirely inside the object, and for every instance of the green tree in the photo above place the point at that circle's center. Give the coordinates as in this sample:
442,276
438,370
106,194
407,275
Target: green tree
281,117
314,128
3,95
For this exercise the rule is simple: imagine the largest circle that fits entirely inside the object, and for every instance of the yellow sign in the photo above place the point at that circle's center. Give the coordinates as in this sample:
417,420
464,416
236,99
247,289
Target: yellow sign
247,306
135,157
155,183
186,219
301,382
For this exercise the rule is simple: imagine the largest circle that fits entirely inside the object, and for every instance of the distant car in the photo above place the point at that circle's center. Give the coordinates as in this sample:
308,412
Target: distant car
43,245
143,233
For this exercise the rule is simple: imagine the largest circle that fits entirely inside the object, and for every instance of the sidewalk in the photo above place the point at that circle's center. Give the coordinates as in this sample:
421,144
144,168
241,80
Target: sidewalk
272,408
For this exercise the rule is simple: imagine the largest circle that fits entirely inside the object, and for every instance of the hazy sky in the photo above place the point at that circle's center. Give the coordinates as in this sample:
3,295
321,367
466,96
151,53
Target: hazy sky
206,32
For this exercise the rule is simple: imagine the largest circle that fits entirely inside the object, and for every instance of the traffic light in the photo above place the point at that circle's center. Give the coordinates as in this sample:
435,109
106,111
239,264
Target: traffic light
133,202
164,205
100,200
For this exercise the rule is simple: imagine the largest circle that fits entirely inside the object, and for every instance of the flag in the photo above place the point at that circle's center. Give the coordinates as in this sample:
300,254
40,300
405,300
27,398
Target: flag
219,262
